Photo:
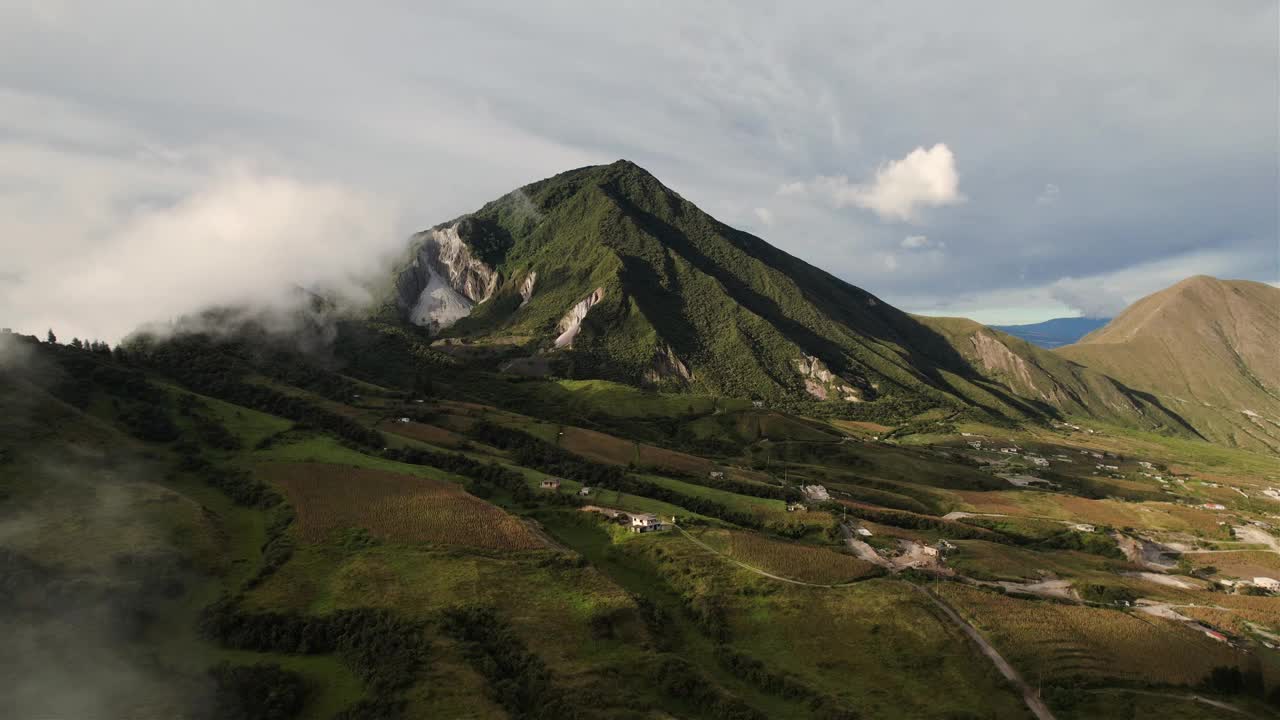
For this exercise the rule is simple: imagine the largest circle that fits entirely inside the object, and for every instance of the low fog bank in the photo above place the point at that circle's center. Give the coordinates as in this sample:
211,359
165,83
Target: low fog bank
235,236
95,555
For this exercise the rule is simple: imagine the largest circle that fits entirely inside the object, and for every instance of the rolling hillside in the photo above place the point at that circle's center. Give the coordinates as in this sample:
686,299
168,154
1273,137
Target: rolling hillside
1209,349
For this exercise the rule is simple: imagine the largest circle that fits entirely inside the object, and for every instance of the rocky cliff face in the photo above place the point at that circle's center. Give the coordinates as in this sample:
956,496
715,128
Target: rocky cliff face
443,281
822,384
666,365
526,287
571,323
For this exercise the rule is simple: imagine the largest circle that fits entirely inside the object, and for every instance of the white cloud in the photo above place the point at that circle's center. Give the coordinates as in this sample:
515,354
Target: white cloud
900,190
890,262
764,215
131,242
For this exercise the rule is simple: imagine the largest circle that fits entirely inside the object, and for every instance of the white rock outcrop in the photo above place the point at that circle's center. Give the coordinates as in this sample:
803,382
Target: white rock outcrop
820,382
526,287
571,323
444,281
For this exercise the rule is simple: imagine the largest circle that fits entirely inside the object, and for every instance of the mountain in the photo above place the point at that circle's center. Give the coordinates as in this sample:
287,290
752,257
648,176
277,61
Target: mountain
1033,373
604,272
1207,349
611,274
1054,333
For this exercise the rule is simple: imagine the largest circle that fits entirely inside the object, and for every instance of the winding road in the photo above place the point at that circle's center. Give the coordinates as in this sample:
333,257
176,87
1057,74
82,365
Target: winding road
1029,696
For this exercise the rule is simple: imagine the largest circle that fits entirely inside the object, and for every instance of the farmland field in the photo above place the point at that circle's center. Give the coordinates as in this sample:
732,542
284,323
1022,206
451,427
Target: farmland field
395,507
423,432
791,560
1243,564
1062,643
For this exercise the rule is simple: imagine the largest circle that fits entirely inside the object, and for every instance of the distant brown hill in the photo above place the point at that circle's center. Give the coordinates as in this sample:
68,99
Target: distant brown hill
1208,349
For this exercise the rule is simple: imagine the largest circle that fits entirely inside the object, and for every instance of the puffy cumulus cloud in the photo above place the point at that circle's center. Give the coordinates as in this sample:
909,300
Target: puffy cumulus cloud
900,189
1089,296
228,234
764,215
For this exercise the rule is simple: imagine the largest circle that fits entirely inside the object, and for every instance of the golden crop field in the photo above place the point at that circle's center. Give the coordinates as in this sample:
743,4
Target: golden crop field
391,506
1242,564
790,560
1061,642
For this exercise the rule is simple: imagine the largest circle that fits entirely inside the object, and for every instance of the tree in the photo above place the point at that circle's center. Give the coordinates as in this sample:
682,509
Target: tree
75,343
51,338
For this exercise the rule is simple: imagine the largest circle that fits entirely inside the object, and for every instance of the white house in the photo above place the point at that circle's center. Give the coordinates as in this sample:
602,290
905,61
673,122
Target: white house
1083,527
1038,461
864,532
815,492
404,420
645,522
1268,584
716,474
1214,506
1009,450
975,444
584,491
550,484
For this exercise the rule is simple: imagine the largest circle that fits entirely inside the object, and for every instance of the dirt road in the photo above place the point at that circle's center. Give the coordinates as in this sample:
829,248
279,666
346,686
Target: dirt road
1032,700
757,570
1029,696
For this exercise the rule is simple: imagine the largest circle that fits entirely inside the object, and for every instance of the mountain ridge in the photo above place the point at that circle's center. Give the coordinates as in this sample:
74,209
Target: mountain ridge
604,272
1207,347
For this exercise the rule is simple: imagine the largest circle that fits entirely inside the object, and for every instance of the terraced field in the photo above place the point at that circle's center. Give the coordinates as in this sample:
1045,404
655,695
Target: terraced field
1074,643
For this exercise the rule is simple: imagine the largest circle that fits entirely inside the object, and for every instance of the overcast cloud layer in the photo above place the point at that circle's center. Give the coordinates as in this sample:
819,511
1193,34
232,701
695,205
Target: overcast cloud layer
1007,160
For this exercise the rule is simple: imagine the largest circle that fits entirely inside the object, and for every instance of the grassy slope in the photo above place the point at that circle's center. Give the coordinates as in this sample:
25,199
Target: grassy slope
1206,348
876,646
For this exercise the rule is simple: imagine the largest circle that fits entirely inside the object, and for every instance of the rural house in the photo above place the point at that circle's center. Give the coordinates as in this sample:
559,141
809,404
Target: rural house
716,475
550,484
645,522
1268,584
584,491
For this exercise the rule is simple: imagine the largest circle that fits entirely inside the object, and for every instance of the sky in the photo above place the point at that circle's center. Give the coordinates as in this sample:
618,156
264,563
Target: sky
1006,161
